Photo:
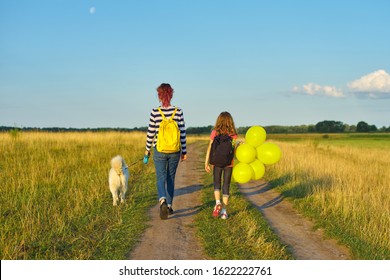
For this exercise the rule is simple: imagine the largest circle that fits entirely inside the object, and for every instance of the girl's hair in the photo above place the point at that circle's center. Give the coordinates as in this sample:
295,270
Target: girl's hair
165,93
225,124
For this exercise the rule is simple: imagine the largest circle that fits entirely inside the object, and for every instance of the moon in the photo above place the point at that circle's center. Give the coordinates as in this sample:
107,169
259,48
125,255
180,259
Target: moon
92,10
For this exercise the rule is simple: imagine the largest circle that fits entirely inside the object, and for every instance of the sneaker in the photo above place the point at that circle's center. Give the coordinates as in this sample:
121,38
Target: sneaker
217,210
170,211
163,210
224,215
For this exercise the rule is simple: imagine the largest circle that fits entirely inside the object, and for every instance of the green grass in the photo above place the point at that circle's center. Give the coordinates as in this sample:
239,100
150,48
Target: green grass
364,140
245,235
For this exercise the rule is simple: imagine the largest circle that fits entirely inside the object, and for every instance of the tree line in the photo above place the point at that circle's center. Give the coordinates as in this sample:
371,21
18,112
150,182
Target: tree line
321,127
328,127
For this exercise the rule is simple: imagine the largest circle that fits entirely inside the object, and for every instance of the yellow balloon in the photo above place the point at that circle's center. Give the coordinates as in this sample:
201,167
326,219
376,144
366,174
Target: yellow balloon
242,173
255,136
258,169
246,153
269,153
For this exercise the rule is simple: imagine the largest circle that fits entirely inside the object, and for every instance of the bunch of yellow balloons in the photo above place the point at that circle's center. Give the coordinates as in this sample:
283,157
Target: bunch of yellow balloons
253,155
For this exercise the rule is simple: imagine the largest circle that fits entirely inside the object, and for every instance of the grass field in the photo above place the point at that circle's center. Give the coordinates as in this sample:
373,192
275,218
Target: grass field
54,196
341,181
55,202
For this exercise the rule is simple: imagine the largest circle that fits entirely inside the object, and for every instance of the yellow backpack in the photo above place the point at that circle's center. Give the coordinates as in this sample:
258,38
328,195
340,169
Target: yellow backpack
168,137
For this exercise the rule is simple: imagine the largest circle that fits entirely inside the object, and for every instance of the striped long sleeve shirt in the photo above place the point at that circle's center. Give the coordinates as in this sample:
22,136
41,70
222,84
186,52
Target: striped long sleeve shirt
154,124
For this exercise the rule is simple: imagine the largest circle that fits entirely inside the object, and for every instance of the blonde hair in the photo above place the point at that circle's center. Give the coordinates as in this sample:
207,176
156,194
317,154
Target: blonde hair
225,124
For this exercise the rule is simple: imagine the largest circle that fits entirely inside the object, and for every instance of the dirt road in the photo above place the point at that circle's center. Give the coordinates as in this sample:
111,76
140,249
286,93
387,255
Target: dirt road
292,228
175,239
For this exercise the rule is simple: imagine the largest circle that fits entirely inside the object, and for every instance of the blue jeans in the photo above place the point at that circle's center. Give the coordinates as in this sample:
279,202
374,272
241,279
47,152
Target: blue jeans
166,165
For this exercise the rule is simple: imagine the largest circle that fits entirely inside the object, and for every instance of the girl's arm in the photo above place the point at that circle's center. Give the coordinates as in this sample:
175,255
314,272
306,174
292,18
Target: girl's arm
183,136
206,163
151,133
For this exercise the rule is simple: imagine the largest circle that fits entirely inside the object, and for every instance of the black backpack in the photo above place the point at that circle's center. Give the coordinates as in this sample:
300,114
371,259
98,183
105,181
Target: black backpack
222,151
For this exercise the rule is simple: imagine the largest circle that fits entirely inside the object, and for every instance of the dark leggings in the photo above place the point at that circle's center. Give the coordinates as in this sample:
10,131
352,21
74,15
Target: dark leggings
227,175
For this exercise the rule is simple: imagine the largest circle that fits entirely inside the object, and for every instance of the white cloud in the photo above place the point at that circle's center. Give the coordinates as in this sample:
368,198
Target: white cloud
375,84
315,89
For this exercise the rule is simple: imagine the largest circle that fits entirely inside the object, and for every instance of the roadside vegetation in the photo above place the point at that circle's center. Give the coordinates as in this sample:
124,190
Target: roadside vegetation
342,183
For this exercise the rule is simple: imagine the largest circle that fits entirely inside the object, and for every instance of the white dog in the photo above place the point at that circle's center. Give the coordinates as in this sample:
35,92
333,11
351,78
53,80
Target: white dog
118,179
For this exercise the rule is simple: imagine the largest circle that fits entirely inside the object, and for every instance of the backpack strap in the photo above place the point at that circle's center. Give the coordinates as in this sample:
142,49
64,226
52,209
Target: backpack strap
162,114
173,114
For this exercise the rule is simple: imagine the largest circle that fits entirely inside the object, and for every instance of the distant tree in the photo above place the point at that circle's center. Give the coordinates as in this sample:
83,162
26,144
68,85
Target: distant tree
384,129
300,129
311,128
276,129
352,128
242,129
199,130
330,127
373,128
362,127
365,127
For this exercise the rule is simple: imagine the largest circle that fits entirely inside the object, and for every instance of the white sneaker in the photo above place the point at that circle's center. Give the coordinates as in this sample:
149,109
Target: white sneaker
224,214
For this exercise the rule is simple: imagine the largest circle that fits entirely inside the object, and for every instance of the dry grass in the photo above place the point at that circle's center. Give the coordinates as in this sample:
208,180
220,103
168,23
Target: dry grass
55,201
344,186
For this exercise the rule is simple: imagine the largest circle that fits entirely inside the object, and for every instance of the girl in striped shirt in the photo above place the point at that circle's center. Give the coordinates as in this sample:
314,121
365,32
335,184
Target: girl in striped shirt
165,163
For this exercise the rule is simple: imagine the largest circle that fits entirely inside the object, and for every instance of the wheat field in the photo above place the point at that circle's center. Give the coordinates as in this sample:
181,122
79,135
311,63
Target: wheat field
55,201
344,186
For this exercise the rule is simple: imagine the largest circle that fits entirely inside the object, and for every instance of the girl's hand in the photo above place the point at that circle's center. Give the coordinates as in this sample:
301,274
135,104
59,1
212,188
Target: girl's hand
207,167
145,160
183,157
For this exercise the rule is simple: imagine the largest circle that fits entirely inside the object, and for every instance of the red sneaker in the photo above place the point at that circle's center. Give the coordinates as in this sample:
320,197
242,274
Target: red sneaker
217,210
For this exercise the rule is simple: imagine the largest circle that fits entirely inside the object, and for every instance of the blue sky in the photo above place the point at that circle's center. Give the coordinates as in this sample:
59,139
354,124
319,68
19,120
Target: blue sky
95,63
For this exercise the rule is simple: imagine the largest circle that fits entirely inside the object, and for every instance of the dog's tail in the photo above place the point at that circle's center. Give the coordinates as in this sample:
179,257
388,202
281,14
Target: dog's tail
117,163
